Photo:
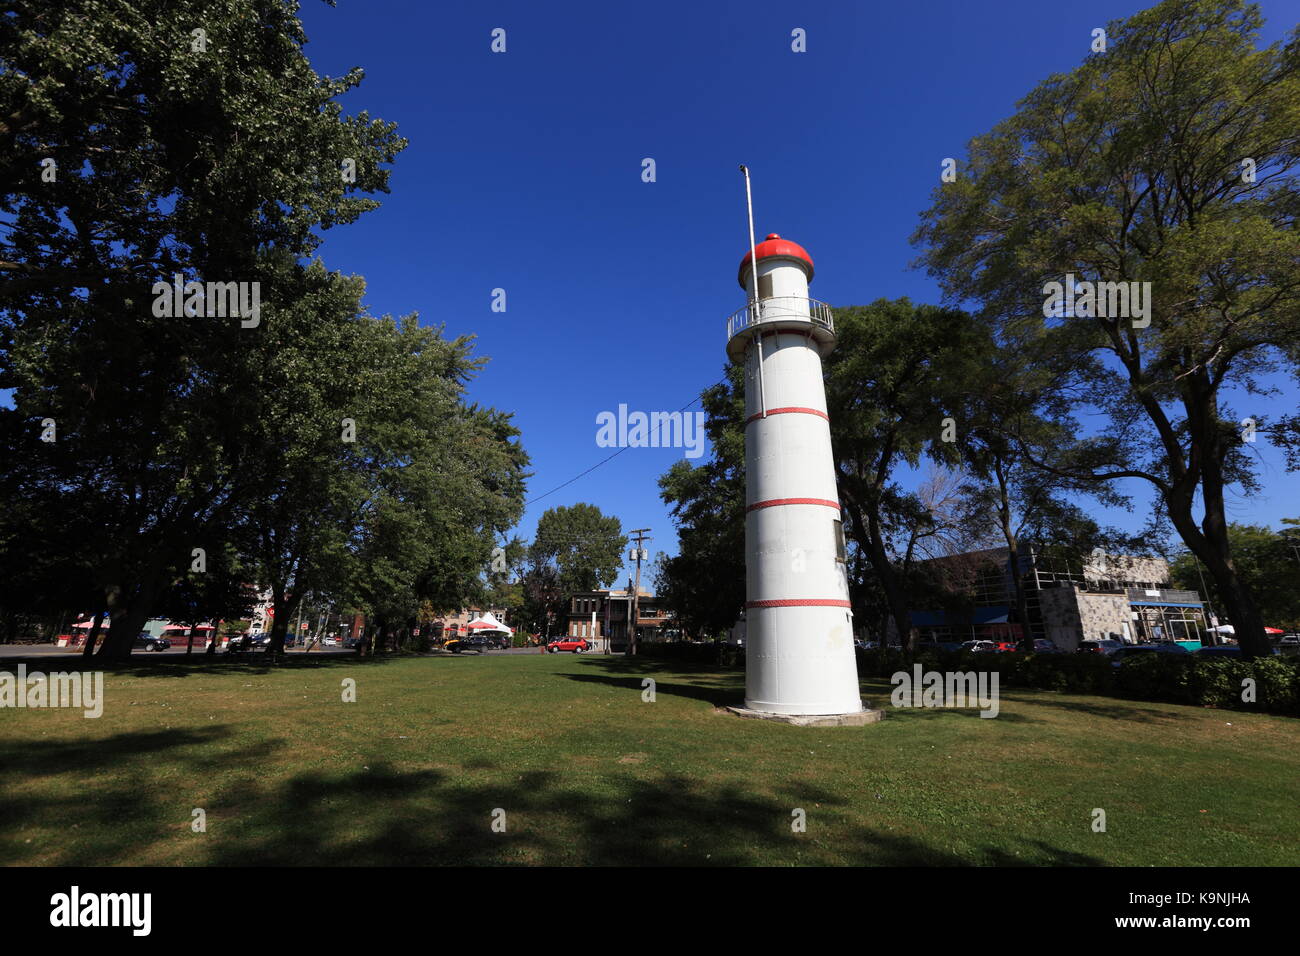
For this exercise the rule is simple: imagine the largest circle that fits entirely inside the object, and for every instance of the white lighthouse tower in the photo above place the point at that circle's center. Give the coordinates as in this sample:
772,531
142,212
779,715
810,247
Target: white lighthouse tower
798,619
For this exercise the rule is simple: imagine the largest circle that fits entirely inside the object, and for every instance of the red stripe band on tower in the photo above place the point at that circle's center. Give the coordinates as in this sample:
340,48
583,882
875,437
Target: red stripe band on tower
792,410
800,602
775,502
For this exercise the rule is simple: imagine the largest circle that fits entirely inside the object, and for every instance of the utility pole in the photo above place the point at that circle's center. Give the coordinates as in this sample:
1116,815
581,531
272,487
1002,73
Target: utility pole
609,637
638,554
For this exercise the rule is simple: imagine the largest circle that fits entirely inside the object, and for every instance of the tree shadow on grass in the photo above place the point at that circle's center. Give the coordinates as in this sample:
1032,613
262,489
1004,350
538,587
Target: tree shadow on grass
385,817
715,686
947,713
382,815
1115,709
102,821
28,758
198,664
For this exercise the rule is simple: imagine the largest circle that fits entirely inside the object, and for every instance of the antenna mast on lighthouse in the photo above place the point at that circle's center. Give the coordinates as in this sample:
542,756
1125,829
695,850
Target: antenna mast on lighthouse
753,299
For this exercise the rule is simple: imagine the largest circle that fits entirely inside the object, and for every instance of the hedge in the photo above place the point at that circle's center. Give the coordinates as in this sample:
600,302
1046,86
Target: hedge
1172,678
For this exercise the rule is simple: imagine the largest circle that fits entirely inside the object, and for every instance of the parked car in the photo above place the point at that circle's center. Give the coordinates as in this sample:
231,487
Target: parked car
1043,646
983,647
240,643
351,642
1289,640
575,644
330,642
948,646
479,643
149,642
1099,647
1123,654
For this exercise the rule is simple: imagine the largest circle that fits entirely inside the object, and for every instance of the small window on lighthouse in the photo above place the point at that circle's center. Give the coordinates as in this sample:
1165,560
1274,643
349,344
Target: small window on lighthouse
839,542
765,286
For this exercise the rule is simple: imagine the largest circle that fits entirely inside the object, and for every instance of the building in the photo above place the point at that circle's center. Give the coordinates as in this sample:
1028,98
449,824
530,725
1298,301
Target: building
1117,597
602,616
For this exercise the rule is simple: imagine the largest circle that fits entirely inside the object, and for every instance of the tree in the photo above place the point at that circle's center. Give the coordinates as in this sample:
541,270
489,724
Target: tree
896,374
1005,428
1170,159
704,583
581,546
444,481
214,157
542,595
1268,560
220,592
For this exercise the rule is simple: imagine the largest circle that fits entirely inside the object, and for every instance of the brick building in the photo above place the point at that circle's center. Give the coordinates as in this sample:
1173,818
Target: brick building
603,615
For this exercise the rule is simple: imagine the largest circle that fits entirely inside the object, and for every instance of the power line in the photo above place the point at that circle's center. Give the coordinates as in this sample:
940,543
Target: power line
605,460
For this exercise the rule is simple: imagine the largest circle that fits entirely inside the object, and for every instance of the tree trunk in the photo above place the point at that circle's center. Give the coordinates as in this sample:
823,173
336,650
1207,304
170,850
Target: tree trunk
1210,544
1026,642
127,616
285,608
97,609
123,629
890,584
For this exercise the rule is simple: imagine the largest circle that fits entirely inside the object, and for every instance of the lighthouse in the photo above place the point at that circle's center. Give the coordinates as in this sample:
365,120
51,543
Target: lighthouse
798,620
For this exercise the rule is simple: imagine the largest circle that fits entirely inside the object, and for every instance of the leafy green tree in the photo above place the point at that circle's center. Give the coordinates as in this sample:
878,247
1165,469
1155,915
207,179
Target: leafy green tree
220,592
1004,430
581,546
1170,159
1268,560
444,481
898,371
543,597
704,583
215,156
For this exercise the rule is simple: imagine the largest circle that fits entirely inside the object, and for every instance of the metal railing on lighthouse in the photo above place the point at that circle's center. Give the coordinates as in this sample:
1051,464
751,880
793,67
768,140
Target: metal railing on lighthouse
781,308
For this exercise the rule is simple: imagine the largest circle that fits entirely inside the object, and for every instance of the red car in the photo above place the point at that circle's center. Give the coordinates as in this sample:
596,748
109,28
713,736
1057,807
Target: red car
575,644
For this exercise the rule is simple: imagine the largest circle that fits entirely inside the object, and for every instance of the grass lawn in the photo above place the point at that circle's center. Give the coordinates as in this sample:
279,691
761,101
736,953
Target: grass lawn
588,773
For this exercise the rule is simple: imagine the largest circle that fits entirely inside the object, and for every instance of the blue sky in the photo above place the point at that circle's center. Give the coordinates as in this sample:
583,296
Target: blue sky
524,173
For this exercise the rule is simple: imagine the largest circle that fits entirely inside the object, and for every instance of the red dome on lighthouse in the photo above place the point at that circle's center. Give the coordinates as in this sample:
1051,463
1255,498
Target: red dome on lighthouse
775,247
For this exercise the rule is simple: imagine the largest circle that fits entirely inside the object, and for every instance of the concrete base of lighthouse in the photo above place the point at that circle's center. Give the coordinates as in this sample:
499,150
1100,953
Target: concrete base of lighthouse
866,715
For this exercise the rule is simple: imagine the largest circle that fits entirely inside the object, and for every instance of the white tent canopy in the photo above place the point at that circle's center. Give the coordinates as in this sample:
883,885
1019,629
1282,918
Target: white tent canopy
488,622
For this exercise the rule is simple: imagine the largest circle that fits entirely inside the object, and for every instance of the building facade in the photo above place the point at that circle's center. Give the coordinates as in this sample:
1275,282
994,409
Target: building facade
602,617
1115,597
